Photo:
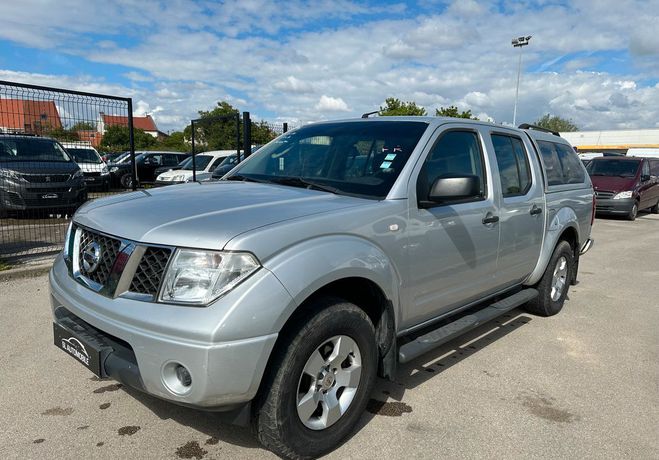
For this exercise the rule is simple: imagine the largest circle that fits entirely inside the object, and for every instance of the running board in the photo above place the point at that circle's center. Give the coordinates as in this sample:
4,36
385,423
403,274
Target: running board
439,336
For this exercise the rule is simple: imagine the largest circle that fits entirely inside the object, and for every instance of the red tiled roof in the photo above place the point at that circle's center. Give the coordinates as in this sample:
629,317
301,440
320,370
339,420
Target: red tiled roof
28,116
144,123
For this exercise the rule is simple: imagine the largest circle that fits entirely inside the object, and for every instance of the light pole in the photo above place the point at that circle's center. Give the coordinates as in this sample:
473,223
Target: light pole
519,42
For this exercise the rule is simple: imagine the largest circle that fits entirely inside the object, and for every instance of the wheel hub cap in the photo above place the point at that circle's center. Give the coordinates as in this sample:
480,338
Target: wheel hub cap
559,279
329,382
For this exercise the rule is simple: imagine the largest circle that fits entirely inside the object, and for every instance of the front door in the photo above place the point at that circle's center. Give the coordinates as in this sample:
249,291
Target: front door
452,246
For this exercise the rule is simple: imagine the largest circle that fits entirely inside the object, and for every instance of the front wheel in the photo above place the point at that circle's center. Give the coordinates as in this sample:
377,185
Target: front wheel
633,212
554,284
319,382
126,181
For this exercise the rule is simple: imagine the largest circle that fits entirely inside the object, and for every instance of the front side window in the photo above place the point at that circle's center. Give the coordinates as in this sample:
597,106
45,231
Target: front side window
513,165
361,158
456,153
32,149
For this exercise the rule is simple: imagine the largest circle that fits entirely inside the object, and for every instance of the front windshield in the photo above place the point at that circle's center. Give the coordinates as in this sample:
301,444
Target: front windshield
31,149
360,158
201,161
613,167
82,155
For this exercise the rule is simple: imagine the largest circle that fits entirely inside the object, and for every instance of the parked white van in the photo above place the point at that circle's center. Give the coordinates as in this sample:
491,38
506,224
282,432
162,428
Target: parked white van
92,165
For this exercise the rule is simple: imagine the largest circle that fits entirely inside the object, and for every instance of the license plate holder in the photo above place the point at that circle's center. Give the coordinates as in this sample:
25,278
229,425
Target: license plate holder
83,347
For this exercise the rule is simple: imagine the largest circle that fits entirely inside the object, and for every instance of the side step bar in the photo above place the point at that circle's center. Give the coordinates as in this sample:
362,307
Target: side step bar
439,336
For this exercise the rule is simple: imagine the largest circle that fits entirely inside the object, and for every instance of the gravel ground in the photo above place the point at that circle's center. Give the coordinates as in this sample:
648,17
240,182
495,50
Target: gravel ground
583,384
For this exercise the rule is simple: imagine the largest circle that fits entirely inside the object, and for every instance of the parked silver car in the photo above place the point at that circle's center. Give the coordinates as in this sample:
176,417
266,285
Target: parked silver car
335,252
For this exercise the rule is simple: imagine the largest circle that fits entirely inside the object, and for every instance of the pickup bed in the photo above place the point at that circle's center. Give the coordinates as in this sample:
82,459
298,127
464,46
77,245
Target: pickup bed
335,252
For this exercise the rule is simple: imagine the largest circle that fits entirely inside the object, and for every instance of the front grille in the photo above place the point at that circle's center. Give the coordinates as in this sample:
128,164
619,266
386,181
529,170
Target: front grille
93,174
603,194
49,189
107,250
148,275
45,178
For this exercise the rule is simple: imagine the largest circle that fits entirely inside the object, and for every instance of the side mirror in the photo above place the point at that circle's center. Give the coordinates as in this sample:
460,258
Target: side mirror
446,189
645,177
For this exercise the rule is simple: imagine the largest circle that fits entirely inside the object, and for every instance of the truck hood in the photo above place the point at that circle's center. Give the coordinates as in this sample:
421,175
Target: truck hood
613,183
205,215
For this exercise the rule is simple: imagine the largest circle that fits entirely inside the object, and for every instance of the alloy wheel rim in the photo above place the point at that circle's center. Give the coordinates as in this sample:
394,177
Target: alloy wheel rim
328,383
559,279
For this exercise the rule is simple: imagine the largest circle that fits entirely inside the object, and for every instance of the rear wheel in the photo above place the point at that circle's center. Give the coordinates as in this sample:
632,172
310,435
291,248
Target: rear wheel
655,209
126,180
554,284
319,382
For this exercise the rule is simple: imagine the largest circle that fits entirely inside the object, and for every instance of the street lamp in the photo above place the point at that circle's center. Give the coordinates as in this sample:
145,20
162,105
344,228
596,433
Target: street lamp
519,42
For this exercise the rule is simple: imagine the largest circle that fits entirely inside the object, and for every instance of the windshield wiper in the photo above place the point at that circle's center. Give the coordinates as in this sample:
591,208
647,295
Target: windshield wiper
300,182
246,179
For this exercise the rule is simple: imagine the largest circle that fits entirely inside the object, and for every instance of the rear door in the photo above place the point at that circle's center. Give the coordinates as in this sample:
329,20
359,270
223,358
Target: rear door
521,207
453,246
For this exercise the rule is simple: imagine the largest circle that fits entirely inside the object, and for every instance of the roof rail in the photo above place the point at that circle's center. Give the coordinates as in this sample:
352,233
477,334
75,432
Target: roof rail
368,114
538,128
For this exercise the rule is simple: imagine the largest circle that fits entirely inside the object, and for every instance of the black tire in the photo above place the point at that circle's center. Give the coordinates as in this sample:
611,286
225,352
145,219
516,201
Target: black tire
633,212
655,209
276,421
126,181
544,304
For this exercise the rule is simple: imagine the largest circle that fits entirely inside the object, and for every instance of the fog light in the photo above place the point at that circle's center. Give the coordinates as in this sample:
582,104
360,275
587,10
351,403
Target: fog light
183,376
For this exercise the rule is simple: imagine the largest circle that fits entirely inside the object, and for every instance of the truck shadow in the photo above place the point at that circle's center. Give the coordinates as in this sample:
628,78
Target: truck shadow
410,376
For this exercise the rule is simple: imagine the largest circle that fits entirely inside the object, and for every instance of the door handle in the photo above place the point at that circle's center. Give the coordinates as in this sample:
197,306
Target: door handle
490,219
535,210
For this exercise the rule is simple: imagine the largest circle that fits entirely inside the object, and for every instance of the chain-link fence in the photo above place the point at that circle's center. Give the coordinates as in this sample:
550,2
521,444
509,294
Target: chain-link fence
58,149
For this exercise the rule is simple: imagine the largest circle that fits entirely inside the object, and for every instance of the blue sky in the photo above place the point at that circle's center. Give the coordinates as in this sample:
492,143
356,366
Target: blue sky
594,61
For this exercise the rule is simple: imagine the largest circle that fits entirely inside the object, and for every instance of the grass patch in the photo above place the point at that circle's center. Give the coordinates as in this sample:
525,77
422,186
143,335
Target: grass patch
4,265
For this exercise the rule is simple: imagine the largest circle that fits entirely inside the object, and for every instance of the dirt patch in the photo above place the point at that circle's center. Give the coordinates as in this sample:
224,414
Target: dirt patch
84,427
543,407
104,406
128,430
99,444
212,441
113,387
388,409
58,411
38,441
191,449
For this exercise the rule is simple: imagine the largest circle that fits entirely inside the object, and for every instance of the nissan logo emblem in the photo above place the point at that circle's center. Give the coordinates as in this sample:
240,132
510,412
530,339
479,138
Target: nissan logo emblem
91,256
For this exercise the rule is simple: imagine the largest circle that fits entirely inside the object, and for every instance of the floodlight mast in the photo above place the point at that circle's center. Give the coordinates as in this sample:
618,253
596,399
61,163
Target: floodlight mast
519,42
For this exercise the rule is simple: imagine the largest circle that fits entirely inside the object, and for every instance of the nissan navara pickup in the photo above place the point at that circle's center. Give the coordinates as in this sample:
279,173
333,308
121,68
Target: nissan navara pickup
334,253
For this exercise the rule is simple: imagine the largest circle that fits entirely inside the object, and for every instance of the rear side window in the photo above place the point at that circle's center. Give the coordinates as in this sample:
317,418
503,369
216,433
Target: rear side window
654,167
561,164
513,165
456,153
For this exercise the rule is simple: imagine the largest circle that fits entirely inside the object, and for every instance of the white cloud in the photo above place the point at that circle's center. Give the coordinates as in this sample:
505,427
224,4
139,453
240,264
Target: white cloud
331,104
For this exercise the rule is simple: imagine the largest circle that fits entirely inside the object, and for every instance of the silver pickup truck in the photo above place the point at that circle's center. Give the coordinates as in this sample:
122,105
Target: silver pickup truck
337,251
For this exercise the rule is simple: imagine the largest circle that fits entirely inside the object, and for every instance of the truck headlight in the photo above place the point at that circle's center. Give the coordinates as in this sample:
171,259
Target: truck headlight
198,277
104,171
622,195
114,169
68,243
9,174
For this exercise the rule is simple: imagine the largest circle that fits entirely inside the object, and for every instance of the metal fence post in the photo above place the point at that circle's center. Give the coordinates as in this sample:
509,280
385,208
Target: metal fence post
247,135
285,127
194,165
131,141
238,135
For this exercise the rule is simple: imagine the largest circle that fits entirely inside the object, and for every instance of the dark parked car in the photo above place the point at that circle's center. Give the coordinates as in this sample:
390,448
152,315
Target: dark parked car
146,164
625,185
111,157
36,173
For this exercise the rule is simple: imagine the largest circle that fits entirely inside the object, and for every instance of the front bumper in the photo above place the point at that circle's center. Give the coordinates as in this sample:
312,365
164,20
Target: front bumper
96,180
226,371
42,196
611,206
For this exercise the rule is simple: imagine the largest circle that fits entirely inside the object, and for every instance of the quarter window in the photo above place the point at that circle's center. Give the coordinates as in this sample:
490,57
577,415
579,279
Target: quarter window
513,165
561,164
456,153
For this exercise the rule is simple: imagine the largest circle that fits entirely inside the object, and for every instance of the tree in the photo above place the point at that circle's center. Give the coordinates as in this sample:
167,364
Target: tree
394,106
117,137
216,129
452,111
64,135
84,126
556,123
175,141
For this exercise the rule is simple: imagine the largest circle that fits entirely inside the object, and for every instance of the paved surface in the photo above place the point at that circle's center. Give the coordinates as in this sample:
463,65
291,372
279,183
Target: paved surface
583,384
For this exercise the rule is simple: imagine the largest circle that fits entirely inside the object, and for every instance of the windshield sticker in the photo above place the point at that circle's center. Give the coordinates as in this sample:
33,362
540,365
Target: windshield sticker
390,157
385,164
